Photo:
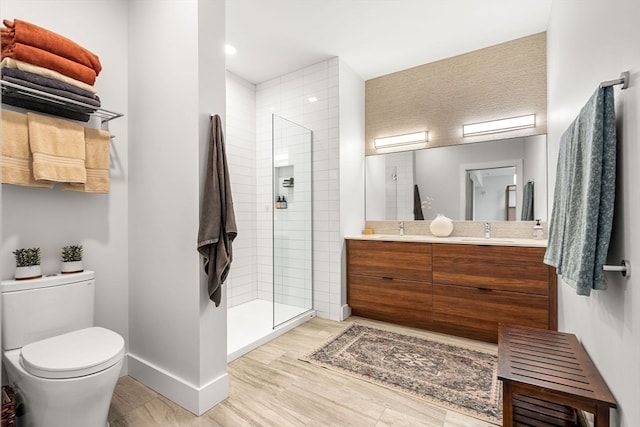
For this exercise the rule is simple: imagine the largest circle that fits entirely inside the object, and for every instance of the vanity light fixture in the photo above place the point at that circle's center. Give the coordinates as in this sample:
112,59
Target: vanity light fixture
409,138
502,125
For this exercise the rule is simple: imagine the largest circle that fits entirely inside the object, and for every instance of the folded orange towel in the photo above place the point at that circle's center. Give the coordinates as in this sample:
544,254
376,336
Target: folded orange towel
42,58
97,144
58,150
16,154
30,34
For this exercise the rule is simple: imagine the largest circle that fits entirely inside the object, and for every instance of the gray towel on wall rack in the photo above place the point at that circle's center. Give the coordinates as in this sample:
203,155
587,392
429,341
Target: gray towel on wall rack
583,202
527,201
417,204
217,227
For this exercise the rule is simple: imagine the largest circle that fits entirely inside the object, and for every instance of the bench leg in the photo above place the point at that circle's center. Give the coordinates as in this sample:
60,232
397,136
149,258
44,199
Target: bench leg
507,404
601,417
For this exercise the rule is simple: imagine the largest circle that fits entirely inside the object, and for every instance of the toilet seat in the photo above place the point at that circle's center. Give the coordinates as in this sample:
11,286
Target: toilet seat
74,354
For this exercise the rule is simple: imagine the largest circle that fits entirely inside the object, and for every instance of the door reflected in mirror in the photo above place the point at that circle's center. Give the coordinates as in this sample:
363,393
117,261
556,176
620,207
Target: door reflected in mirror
502,180
491,194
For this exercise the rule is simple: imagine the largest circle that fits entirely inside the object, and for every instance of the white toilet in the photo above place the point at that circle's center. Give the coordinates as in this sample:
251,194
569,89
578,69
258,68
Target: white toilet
63,368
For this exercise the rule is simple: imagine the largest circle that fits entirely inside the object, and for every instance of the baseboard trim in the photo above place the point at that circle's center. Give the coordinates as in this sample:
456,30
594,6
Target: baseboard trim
197,400
345,312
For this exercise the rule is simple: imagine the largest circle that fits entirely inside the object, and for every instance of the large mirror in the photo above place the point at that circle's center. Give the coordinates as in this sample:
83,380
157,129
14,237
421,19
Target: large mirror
502,180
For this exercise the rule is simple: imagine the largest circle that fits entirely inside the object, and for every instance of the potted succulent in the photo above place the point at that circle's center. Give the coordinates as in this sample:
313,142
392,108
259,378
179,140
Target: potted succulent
71,258
27,263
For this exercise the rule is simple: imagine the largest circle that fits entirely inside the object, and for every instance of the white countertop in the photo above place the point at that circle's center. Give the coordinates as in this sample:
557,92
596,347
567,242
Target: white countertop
496,241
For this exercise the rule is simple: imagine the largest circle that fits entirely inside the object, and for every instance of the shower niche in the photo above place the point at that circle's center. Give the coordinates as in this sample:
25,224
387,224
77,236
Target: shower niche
284,185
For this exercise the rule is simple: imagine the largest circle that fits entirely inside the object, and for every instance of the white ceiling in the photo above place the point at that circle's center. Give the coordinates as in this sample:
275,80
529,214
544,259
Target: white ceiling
373,37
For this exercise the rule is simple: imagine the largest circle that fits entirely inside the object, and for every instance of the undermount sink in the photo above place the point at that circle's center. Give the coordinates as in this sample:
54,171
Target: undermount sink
395,236
484,240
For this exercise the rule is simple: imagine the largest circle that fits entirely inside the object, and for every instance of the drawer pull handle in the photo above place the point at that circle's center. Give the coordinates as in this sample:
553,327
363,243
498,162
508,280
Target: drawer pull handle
485,289
387,278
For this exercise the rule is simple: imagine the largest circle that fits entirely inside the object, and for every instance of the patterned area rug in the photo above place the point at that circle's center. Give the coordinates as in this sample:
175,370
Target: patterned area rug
454,377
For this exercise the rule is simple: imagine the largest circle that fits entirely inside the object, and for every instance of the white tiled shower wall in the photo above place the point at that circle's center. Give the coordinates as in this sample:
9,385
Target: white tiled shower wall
241,157
287,96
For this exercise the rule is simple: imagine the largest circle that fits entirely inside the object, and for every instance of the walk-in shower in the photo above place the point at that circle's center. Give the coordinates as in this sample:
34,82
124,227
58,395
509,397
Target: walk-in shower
284,243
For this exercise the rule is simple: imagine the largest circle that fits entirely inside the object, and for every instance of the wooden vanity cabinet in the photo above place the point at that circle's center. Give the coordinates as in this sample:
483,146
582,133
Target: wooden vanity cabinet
475,288
458,289
390,281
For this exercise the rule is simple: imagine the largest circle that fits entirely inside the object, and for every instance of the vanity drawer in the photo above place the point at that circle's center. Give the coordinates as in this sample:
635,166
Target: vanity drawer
509,268
398,301
476,313
398,260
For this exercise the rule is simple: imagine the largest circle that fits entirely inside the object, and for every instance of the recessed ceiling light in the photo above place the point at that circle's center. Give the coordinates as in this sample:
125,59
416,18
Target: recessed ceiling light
231,50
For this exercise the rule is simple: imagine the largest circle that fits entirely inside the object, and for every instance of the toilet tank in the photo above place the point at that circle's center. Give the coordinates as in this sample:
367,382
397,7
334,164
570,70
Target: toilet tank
36,309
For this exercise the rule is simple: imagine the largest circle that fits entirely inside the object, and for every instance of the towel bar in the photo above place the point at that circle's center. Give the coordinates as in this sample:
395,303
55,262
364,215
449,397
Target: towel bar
624,268
623,80
104,115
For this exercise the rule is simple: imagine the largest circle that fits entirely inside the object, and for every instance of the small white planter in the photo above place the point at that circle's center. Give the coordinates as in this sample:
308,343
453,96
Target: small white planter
30,272
71,267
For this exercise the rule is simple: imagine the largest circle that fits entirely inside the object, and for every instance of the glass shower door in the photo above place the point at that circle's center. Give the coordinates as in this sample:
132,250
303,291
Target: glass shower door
292,220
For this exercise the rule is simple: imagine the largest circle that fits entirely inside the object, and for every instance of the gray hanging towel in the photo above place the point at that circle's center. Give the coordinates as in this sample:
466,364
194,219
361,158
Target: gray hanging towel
582,215
417,204
217,219
527,202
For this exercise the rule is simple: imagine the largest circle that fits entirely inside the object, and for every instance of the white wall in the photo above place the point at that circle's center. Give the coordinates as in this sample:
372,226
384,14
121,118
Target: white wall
536,169
375,186
178,337
590,41
51,219
241,156
351,104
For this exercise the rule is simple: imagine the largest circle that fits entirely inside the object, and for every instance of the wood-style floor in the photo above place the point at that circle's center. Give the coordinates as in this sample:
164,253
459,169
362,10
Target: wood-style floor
271,387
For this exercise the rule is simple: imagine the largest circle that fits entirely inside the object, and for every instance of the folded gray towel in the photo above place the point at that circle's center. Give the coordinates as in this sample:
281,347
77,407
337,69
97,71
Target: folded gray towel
46,81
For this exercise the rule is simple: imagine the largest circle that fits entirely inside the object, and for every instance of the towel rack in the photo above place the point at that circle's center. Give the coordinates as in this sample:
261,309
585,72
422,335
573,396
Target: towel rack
623,80
624,268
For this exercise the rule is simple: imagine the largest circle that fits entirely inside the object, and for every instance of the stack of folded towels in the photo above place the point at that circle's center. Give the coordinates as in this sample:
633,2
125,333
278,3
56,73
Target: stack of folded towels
38,150
35,57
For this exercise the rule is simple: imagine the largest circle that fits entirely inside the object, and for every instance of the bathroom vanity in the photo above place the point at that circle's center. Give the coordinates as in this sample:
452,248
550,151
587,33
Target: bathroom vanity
458,286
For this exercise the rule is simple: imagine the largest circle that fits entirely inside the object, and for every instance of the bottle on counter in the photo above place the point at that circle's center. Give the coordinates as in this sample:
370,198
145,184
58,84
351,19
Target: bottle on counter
538,232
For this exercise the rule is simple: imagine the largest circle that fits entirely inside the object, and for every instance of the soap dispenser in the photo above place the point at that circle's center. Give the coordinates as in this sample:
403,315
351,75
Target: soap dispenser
279,203
283,204
537,230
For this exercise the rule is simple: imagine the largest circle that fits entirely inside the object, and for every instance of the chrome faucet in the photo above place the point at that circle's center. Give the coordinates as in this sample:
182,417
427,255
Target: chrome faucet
401,228
487,230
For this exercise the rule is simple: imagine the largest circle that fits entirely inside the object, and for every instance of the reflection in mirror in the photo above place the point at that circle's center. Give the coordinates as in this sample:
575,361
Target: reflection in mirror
491,194
503,180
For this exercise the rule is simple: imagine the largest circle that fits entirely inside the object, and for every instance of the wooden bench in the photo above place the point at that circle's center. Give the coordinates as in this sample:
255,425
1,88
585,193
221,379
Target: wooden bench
544,373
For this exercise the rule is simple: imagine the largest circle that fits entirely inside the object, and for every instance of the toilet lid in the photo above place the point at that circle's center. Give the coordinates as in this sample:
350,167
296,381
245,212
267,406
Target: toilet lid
74,354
